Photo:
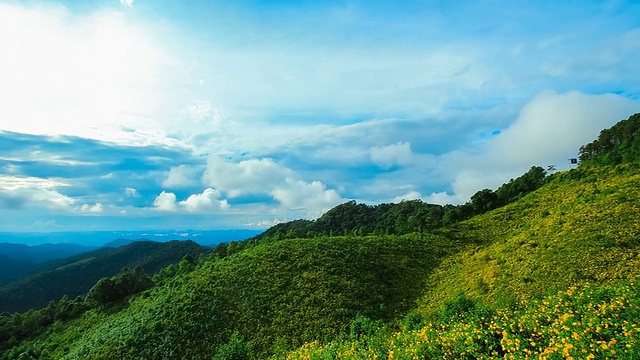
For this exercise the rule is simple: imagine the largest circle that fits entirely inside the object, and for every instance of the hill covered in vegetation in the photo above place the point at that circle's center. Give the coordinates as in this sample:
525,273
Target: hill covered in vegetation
75,275
550,273
406,217
19,259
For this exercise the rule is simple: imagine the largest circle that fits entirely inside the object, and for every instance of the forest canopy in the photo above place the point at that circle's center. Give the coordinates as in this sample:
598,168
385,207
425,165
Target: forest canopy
615,145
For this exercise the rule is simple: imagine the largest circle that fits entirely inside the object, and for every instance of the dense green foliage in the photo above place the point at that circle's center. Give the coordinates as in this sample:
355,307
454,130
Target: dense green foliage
118,287
75,275
275,296
352,218
616,145
405,217
581,227
17,327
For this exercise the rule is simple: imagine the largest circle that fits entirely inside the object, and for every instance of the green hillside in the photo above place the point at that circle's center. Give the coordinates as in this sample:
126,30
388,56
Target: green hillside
276,296
582,227
551,274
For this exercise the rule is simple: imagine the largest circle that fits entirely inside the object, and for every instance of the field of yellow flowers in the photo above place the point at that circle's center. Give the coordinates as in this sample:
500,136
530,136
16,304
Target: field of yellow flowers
591,322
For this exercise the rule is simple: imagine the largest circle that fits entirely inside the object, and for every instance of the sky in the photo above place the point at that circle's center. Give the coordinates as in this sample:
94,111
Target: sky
158,114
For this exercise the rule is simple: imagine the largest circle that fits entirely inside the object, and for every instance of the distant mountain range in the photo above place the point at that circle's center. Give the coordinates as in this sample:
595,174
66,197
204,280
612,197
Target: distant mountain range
19,259
21,253
75,275
99,238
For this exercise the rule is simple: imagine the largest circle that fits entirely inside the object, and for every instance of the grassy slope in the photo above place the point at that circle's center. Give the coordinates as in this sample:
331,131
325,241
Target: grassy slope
566,256
581,227
277,296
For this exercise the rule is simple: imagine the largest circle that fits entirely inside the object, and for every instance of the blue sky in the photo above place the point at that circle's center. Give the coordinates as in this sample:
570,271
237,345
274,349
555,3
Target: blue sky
143,114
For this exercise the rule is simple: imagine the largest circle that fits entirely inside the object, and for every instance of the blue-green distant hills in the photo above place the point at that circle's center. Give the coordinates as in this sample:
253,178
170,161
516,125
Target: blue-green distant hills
94,239
75,275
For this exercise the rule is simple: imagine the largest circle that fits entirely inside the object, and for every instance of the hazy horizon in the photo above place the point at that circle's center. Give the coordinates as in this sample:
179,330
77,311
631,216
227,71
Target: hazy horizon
99,238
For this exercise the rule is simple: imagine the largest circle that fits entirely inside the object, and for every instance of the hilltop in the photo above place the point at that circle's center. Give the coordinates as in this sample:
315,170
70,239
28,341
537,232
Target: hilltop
550,276
543,270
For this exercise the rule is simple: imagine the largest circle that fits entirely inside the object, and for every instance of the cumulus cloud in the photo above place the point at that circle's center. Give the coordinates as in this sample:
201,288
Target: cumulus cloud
180,177
549,130
254,176
392,155
131,192
266,177
265,223
552,126
95,209
166,201
208,201
23,192
301,194
442,198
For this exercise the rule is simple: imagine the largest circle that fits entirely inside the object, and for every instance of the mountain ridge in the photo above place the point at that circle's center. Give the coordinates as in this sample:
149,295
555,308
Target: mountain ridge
75,275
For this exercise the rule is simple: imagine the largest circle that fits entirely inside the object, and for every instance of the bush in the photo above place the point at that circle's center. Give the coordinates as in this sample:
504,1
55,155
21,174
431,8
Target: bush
235,349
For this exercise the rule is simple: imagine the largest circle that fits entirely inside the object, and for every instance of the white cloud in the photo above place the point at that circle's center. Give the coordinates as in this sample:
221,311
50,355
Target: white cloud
552,126
205,202
24,192
18,182
442,198
411,195
180,176
126,2
314,196
96,208
392,155
254,176
131,192
265,176
265,223
549,130
166,201
84,74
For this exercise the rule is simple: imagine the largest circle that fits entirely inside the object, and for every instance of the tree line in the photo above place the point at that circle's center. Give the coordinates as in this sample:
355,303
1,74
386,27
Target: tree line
409,216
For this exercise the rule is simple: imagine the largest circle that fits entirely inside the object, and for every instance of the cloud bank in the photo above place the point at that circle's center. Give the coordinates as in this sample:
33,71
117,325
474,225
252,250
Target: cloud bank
548,131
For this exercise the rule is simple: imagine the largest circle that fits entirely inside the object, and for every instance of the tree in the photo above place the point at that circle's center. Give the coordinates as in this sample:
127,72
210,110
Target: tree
111,289
524,184
484,200
617,144
235,349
